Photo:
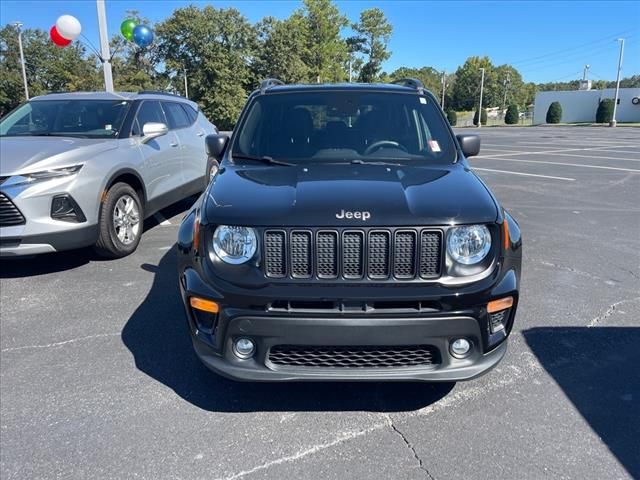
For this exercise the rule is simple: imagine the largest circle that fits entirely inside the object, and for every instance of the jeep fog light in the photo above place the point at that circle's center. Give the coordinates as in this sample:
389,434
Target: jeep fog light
244,347
460,347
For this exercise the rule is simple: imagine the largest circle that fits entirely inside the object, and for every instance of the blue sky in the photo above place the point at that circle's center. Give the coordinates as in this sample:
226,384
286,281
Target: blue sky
546,41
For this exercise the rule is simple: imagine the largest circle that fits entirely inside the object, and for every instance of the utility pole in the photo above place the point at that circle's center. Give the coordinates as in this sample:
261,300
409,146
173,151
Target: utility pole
507,82
444,86
615,101
104,46
18,26
186,88
350,66
480,108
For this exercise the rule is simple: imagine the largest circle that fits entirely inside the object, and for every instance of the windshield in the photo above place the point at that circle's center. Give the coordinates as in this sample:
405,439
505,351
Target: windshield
66,118
344,126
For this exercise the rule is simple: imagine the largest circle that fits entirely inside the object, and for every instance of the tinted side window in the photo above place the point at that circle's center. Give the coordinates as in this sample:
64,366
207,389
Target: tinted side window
191,112
149,111
176,115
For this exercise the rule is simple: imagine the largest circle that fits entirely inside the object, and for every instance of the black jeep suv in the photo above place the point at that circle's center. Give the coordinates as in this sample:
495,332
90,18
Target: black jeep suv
345,237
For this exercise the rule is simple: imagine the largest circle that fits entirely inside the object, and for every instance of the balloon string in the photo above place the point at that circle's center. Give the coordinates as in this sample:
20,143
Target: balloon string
90,45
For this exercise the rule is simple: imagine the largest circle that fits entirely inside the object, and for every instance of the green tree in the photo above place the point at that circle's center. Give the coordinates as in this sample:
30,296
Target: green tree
282,47
452,117
509,87
466,90
429,76
49,68
216,47
326,53
374,33
483,117
554,114
513,116
604,114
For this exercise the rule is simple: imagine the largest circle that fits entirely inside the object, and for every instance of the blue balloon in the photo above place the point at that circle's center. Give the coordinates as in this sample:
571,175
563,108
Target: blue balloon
142,36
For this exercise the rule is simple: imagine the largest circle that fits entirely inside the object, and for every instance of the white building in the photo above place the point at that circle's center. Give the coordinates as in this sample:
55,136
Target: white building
579,106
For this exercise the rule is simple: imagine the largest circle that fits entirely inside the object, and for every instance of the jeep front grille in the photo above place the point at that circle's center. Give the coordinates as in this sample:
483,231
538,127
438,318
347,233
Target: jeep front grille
353,254
9,213
363,356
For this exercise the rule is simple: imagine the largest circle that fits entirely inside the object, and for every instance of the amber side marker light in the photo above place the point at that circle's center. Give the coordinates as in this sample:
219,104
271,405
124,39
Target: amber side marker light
505,231
497,305
196,234
204,305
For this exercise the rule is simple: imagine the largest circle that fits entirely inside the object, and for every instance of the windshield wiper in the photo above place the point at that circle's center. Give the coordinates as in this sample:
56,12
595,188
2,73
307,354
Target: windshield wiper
358,161
265,159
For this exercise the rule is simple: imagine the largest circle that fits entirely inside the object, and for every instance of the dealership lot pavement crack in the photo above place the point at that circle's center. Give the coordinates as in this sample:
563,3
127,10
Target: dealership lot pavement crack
410,447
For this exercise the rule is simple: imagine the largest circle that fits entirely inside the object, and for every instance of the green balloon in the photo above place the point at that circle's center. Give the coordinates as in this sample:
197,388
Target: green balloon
127,27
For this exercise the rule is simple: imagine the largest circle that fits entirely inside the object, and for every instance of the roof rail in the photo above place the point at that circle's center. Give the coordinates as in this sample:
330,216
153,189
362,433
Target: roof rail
409,82
268,83
158,92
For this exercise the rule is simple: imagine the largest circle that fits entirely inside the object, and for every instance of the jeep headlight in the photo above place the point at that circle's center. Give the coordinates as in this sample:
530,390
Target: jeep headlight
234,245
469,244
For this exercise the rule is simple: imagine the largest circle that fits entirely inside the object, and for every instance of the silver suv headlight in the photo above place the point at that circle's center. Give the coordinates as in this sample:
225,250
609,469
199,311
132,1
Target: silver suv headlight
234,245
469,244
43,175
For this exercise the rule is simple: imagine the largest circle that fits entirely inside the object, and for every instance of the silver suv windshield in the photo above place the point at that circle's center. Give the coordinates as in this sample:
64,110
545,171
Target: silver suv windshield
66,118
344,126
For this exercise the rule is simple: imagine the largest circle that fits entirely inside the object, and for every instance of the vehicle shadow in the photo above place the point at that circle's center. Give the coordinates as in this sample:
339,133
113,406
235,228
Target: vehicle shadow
597,368
158,338
19,267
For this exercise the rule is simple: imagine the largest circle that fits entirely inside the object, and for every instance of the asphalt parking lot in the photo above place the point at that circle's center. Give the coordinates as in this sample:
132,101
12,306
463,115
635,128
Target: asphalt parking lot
98,378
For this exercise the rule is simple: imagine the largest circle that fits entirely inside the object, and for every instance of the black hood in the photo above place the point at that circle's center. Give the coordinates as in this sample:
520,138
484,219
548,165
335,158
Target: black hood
313,195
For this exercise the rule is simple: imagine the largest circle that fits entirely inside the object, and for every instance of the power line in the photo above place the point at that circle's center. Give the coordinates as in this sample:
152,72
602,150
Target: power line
578,47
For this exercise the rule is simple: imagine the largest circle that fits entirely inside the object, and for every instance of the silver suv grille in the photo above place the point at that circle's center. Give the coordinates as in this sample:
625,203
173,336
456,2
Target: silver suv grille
9,213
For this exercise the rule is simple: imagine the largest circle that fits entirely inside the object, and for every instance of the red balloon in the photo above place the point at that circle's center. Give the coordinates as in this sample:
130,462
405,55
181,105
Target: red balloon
58,39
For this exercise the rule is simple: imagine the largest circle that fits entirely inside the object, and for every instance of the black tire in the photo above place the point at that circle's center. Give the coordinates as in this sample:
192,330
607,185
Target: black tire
211,164
108,244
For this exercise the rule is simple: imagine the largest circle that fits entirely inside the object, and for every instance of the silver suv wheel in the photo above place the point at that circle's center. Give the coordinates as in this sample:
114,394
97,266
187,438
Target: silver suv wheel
126,219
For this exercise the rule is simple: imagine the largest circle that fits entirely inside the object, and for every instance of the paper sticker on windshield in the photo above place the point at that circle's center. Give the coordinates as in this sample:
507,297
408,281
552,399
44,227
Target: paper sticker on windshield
423,100
435,147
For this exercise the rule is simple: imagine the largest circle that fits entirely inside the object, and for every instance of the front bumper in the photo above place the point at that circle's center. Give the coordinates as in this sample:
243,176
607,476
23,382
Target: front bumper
67,237
268,332
39,232
454,313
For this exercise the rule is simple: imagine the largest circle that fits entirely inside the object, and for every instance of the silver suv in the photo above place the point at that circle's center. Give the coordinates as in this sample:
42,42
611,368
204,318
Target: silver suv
80,169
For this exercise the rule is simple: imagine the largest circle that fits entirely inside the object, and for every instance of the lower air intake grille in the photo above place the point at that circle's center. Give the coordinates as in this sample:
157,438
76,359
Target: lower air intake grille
353,356
9,213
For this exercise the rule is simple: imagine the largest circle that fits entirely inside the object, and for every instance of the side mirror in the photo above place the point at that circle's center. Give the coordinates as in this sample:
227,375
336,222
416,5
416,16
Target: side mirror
215,145
153,130
470,144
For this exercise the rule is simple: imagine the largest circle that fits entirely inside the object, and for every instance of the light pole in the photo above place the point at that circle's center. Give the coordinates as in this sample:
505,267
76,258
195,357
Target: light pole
104,46
615,101
186,89
480,108
444,86
18,26
507,82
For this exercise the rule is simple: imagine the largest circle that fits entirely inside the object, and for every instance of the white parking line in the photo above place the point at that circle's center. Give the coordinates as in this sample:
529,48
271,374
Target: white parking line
630,170
161,220
525,174
548,152
595,158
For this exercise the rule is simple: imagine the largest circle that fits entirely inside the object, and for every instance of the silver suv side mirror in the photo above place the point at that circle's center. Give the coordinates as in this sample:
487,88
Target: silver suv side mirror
152,130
